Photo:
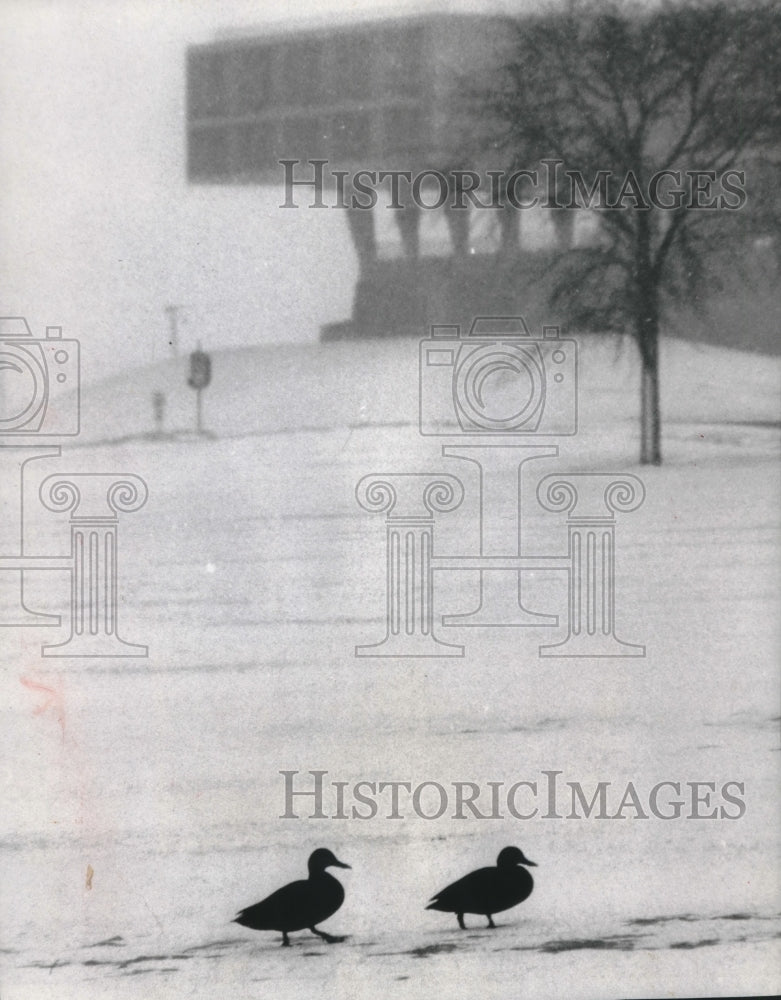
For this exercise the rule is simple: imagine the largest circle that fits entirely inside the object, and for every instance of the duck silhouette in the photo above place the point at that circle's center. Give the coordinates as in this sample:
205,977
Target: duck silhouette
488,890
301,904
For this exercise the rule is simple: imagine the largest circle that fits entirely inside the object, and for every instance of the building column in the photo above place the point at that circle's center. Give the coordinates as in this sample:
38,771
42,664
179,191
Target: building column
408,221
509,224
361,225
457,219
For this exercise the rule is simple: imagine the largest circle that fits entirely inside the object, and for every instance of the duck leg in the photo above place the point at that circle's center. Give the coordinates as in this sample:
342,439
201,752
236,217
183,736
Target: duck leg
461,921
285,940
491,921
328,938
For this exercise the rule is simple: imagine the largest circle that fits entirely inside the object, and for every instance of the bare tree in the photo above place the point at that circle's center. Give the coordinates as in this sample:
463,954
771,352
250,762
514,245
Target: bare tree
639,103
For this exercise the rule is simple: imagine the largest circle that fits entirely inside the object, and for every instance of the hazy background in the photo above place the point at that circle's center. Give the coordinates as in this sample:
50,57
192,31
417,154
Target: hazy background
99,229
251,573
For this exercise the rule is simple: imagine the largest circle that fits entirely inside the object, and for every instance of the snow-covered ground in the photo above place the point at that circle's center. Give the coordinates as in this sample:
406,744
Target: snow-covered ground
144,800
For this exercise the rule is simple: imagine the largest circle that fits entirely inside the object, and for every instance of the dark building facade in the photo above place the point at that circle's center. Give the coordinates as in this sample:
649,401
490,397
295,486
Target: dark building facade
378,96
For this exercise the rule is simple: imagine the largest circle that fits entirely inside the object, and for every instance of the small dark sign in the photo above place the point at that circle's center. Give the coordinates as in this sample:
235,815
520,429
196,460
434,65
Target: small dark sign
200,370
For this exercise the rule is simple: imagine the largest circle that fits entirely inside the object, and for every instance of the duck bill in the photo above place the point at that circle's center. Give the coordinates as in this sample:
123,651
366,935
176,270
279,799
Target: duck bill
339,864
531,864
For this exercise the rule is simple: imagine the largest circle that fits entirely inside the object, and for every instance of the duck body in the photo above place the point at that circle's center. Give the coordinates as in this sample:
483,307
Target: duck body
488,890
299,905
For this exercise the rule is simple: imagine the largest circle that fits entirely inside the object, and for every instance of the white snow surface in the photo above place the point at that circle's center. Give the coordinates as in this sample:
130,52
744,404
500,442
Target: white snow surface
252,573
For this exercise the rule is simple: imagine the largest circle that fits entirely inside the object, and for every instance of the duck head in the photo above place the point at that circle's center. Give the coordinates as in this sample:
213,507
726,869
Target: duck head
321,859
510,857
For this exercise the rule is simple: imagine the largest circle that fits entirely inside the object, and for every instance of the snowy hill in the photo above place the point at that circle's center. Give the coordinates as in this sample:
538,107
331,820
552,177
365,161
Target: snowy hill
286,388
252,574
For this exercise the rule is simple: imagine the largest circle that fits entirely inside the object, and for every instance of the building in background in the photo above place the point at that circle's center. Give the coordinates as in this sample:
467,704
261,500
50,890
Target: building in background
394,95
378,96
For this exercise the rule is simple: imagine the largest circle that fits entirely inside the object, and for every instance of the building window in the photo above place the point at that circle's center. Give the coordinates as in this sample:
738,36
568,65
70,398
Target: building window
350,66
256,148
252,80
299,83
403,63
207,90
402,130
304,137
351,96
350,136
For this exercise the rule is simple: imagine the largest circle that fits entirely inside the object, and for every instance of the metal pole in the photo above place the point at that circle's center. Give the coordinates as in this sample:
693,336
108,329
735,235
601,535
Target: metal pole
172,313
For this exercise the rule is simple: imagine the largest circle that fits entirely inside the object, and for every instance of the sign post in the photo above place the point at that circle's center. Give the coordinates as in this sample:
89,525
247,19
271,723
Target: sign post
158,410
200,377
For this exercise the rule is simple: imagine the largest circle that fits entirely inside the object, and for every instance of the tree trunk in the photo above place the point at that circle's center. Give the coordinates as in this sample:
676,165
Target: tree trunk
647,335
650,416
